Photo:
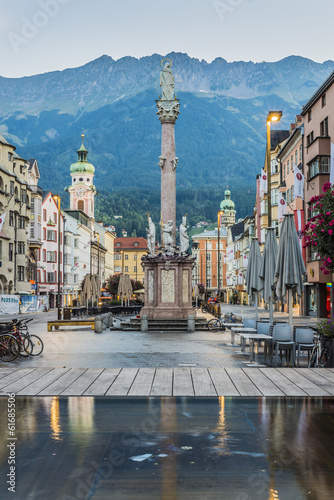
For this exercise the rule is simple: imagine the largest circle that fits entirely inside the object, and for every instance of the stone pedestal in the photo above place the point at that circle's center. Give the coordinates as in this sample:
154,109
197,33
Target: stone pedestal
168,112
168,290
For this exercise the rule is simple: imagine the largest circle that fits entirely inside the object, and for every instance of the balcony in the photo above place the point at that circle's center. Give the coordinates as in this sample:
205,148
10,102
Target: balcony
321,146
36,189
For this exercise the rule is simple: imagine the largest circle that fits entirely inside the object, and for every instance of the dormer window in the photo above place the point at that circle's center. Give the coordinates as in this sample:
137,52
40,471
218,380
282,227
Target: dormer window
118,244
10,156
136,244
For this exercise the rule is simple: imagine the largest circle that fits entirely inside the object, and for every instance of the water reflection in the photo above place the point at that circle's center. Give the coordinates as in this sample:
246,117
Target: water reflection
172,448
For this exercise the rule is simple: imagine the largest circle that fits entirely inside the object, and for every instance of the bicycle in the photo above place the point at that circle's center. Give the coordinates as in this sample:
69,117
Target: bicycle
319,355
9,347
216,324
37,343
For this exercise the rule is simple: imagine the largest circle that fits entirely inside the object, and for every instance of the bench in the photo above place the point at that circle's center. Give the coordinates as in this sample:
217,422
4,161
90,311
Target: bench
71,322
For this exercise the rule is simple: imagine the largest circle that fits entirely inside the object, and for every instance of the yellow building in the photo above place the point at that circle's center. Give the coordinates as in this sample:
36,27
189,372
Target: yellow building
127,256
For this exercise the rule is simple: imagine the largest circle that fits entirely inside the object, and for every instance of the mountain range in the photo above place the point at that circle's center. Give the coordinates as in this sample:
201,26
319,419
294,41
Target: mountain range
220,132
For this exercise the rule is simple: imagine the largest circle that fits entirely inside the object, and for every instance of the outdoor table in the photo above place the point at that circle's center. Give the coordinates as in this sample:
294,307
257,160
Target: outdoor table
255,338
230,326
239,330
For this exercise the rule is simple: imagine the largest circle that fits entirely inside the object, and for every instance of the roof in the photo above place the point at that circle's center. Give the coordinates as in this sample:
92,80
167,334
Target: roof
129,243
3,141
278,136
236,229
211,234
316,96
292,136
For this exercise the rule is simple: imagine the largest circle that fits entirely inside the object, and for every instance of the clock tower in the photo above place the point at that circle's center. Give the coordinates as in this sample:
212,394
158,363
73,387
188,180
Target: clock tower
82,191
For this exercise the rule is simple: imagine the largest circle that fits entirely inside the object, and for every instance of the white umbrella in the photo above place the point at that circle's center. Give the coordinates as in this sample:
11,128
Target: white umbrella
121,287
253,272
267,270
87,289
290,266
128,287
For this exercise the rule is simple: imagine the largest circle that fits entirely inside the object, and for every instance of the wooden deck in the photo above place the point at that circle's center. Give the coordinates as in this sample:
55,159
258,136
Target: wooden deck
131,382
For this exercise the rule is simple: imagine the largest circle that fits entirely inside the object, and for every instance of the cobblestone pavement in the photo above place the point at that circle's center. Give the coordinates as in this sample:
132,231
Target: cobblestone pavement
76,348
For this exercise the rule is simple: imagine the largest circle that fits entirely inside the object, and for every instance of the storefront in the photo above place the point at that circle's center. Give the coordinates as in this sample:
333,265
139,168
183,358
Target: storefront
317,299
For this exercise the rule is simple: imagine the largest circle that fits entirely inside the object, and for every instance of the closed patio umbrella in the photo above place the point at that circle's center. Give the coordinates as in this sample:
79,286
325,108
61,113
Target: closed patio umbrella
253,272
196,294
267,270
290,266
121,287
87,289
128,287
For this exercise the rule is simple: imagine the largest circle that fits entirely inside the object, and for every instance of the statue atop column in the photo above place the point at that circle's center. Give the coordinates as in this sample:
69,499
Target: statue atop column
151,236
184,237
167,81
167,231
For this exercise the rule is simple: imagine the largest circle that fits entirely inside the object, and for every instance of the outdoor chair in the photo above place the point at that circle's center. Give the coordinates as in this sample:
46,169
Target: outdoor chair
303,341
282,341
264,328
249,323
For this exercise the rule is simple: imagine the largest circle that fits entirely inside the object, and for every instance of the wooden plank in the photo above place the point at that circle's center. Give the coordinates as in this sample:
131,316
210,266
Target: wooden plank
319,380
102,383
182,383
294,374
223,384
40,384
25,382
15,375
283,383
61,383
242,382
163,382
203,385
80,385
263,383
324,372
123,382
143,382
7,371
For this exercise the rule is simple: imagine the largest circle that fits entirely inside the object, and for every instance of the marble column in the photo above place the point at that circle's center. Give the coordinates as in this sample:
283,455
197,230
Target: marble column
168,112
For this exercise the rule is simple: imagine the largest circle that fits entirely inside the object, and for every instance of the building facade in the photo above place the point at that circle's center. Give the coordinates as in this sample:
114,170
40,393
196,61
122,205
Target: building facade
127,256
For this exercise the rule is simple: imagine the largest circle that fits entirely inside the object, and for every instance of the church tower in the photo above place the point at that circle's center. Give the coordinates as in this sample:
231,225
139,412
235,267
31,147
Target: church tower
82,191
227,210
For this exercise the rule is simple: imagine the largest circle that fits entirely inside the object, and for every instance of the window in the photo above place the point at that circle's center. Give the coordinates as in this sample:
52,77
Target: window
11,188
323,100
20,247
55,217
23,195
10,156
51,256
324,127
274,196
135,257
32,207
126,257
309,115
44,233
11,218
81,205
10,252
118,244
136,244
118,269
76,242
319,166
288,167
284,171
44,215
300,152
208,283
51,277
264,207
126,269
274,167
44,255
75,278
310,138
296,157
135,269
117,257
20,273
51,235
22,222
208,257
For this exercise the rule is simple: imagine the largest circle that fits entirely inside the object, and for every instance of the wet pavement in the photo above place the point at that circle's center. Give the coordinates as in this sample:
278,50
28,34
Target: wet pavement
170,448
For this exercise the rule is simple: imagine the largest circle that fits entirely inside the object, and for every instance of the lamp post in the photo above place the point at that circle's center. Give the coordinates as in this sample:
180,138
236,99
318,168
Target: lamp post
273,116
218,257
98,253
57,200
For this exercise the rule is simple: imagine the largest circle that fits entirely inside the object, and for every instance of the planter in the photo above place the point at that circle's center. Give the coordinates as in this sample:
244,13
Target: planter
328,342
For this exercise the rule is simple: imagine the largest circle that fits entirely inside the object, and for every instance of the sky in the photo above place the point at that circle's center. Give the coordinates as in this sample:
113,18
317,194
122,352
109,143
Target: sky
37,36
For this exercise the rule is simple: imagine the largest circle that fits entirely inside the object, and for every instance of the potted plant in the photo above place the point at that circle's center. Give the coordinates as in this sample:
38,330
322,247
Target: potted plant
326,329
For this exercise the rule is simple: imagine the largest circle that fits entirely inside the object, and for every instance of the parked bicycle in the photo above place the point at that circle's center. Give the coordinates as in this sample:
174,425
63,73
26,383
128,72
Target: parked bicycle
36,342
319,355
9,347
217,324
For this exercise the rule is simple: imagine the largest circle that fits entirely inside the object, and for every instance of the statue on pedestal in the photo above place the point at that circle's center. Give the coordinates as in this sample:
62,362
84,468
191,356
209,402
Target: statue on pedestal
184,237
167,230
151,236
167,81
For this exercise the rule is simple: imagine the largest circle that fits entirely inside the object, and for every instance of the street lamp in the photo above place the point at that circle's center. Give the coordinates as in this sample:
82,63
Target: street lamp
98,253
273,116
57,200
218,271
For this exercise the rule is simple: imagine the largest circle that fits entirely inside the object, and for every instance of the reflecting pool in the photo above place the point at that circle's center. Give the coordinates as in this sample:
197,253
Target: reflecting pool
169,448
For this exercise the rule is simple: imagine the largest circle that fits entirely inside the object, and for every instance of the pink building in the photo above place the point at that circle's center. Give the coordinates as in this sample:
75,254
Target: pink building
318,114
48,256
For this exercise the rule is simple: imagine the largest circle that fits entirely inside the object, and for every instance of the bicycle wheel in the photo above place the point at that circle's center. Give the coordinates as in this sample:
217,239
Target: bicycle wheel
214,325
37,345
9,348
313,358
26,346
323,359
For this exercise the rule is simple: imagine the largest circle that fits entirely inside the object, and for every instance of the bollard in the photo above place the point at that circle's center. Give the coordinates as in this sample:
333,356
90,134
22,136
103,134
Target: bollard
111,320
98,324
144,324
191,323
105,321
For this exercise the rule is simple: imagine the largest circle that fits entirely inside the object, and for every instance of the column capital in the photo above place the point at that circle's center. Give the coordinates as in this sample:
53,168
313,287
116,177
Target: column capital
168,111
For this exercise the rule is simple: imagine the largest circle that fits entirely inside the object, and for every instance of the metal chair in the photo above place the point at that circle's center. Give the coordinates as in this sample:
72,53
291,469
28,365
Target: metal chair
304,341
282,341
249,323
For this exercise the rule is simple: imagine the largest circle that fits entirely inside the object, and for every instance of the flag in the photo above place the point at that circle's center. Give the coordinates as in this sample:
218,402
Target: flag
281,206
298,191
240,279
331,170
263,183
2,220
245,260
